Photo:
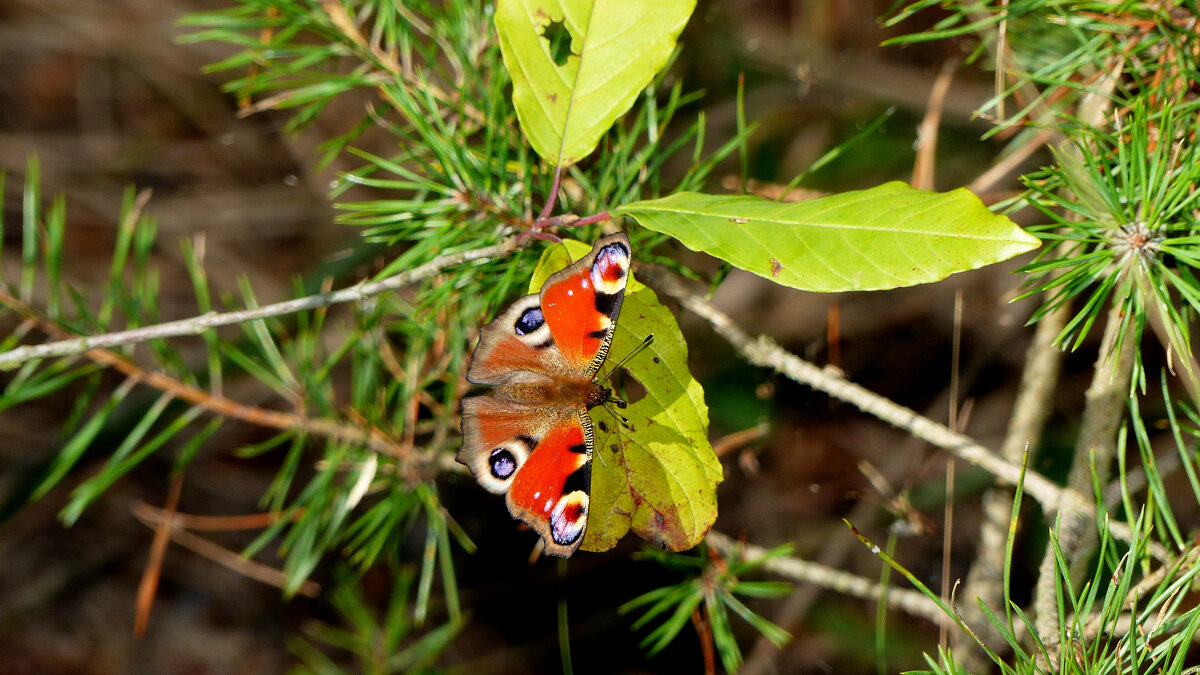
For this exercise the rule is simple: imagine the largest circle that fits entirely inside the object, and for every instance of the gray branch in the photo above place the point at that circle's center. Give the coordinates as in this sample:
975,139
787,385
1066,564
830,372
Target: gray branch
198,324
913,603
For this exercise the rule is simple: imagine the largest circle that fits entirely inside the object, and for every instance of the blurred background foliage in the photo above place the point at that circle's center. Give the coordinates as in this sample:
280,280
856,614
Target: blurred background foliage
106,96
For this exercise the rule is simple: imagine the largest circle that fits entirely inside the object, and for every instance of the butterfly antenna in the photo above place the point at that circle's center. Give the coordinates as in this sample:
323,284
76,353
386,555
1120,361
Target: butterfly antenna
628,357
615,402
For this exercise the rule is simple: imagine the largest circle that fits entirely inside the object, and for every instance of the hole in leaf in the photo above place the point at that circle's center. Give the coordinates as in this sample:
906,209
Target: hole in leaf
560,42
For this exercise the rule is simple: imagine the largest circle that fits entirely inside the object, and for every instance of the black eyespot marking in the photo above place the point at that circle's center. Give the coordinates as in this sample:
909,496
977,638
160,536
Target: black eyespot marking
606,303
503,463
529,321
528,442
580,479
580,448
545,344
598,334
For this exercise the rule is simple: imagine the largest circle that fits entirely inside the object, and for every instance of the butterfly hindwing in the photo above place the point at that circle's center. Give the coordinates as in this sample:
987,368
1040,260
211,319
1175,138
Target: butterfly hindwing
531,438
540,457
498,436
550,490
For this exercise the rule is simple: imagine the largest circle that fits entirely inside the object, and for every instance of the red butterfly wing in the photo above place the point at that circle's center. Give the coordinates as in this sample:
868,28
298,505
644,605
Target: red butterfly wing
550,492
582,302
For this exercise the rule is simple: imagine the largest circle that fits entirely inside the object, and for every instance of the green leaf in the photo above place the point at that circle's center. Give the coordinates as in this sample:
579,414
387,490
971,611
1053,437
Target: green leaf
578,65
659,476
885,237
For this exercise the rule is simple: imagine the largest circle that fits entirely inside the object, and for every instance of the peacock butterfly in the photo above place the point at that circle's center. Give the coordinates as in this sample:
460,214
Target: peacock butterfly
531,438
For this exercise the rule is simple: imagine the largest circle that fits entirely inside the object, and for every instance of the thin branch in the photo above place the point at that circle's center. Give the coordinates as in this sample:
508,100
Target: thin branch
704,631
911,602
148,586
1095,449
151,517
199,324
372,438
927,133
738,439
764,352
987,180
1030,411
594,218
552,198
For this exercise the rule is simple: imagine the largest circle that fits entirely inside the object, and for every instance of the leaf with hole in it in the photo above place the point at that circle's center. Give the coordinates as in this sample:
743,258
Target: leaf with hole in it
578,65
659,475
885,237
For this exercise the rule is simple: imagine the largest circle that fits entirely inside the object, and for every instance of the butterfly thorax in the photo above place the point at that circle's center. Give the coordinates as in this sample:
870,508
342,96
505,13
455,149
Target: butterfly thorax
558,391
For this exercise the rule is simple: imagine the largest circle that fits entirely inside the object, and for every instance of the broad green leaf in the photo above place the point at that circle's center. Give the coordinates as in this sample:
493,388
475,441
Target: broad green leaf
885,237
659,475
567,94
662,470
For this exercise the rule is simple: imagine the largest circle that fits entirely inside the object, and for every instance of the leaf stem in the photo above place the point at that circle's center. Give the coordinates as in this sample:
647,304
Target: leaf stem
552,199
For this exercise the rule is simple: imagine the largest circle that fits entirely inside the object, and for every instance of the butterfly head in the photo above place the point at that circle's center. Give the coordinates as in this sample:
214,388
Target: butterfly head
602,395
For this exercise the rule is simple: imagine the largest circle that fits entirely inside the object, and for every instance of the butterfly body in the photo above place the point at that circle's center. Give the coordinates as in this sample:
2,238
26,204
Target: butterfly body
531,438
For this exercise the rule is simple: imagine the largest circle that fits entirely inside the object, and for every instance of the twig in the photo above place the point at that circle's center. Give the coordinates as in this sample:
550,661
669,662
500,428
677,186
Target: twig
763,351
704,631
1030,411
730,442
927,133
1094,452
552,199
248,521
985,181
198,324
908,601
151,517
158,550
371,437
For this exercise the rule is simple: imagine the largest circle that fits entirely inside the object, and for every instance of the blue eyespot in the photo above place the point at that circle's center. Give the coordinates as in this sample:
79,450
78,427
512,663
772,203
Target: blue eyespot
530,320
503,464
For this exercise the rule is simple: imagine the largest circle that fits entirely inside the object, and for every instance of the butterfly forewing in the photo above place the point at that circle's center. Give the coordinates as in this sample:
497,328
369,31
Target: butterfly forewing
531,437
581,303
